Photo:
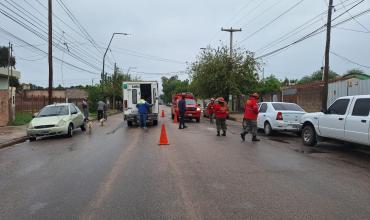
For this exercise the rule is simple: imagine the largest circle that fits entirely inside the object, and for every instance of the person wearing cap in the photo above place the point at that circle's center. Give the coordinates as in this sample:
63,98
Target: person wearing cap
211,110
221,111
250,117
143,108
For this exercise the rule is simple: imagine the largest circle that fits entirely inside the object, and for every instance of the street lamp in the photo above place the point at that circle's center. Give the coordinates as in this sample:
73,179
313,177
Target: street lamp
103,72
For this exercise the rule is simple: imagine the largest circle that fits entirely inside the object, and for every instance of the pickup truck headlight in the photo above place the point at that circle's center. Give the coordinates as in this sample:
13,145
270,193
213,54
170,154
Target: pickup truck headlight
198,109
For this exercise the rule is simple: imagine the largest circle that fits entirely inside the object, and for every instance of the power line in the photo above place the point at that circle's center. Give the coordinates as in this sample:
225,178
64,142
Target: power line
40,35
354,19
313,33
273,20
348,60
40,50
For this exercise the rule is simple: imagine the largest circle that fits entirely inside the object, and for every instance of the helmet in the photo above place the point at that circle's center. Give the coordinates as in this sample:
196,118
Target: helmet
221,99
212,99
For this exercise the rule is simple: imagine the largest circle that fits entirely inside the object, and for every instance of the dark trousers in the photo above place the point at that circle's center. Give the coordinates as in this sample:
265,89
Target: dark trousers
100,114
143,120
182,121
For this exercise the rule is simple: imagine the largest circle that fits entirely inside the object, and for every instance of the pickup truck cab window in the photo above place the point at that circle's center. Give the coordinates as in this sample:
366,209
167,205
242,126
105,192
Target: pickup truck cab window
339,107
362,107
134,96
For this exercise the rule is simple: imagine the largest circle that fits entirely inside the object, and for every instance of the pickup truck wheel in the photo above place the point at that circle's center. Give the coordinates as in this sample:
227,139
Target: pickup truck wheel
267,128
129,123
32,139
173,116
309,135
198,120
155,122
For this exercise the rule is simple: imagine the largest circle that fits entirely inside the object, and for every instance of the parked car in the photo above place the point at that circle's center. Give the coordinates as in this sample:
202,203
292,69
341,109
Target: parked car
56,119
279,116
347,119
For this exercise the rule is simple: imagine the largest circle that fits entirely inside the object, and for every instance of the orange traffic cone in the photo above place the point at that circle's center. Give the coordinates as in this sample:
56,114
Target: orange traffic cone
162,113
175,119
163,140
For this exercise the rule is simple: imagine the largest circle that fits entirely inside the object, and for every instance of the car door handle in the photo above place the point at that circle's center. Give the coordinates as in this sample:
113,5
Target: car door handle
363,121
340,119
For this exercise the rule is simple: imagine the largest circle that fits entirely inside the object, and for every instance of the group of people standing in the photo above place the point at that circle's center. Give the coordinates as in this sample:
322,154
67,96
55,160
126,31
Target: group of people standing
219,110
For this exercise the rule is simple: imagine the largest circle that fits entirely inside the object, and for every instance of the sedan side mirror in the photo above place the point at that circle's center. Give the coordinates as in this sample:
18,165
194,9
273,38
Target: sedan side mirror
35,115
324,111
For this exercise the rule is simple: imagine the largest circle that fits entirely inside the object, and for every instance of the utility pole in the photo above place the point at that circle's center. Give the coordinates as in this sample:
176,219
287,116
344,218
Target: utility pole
327,52
50,52
9,65
231,31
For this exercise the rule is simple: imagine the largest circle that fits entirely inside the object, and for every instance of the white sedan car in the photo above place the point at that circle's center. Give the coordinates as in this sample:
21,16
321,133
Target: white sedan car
56,119
279,116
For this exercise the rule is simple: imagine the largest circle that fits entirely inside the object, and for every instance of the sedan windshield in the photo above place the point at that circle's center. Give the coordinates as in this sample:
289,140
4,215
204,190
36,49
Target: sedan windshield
287,107
53,111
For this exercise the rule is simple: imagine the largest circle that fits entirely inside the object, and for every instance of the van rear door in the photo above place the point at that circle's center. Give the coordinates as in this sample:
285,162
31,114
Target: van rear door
133,97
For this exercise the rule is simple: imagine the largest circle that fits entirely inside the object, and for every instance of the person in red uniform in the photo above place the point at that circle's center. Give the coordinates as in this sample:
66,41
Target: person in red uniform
221,112
250,117
211,110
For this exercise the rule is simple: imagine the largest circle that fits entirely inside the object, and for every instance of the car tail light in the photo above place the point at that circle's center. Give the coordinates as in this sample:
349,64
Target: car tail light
279,116
126,104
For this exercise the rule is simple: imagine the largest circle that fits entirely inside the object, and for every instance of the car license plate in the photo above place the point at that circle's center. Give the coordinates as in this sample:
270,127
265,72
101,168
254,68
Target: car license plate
190,115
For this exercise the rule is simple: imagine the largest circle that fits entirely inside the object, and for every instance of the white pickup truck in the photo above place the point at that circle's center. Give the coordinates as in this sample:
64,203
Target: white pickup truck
347,119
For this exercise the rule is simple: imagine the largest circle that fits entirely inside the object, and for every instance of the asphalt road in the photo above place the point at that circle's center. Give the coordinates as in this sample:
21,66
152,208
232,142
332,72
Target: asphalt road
121,173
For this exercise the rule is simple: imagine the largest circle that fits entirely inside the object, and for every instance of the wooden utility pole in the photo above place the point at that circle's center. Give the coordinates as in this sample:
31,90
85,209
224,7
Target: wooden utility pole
324,104
113,86
231,31
50,52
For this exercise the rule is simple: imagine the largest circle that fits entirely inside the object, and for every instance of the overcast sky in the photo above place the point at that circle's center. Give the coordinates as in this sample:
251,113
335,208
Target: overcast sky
165,34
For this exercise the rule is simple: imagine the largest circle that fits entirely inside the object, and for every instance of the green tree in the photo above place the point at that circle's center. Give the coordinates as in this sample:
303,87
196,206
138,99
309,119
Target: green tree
269,85
355,72
317,76
172,86
214,75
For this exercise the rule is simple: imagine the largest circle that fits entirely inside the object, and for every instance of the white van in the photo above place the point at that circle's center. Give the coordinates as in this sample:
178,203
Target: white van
132,93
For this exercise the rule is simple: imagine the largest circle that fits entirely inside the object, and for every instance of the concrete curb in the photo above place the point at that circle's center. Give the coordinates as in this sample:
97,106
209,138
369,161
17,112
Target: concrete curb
14,141
24,138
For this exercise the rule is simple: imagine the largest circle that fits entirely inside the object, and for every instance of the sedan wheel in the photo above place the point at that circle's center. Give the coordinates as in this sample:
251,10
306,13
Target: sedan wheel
268,129
70,130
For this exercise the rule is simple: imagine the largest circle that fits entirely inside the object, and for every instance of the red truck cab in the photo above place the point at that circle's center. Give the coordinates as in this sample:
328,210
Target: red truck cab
193,111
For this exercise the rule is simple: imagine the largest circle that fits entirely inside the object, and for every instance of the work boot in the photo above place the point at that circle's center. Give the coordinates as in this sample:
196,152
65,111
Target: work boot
218,133
254,138
223,133
242,135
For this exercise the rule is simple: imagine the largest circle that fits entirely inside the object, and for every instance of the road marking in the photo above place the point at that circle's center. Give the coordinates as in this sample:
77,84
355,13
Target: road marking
91,212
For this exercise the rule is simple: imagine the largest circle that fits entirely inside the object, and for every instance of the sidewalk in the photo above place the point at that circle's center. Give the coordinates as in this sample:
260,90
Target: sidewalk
10,135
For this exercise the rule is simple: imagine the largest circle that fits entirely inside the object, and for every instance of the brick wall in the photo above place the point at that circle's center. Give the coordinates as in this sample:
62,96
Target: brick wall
310,98
4,107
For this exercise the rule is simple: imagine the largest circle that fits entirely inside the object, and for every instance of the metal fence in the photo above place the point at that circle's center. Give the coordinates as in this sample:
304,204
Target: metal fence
347,88
36,103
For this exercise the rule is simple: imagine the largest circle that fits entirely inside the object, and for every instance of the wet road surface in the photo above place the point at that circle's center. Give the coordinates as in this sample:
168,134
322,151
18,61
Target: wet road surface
121,173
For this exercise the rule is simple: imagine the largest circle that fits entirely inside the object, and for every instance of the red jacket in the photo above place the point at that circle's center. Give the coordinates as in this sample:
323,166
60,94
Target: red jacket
221,111
211,108
251,109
